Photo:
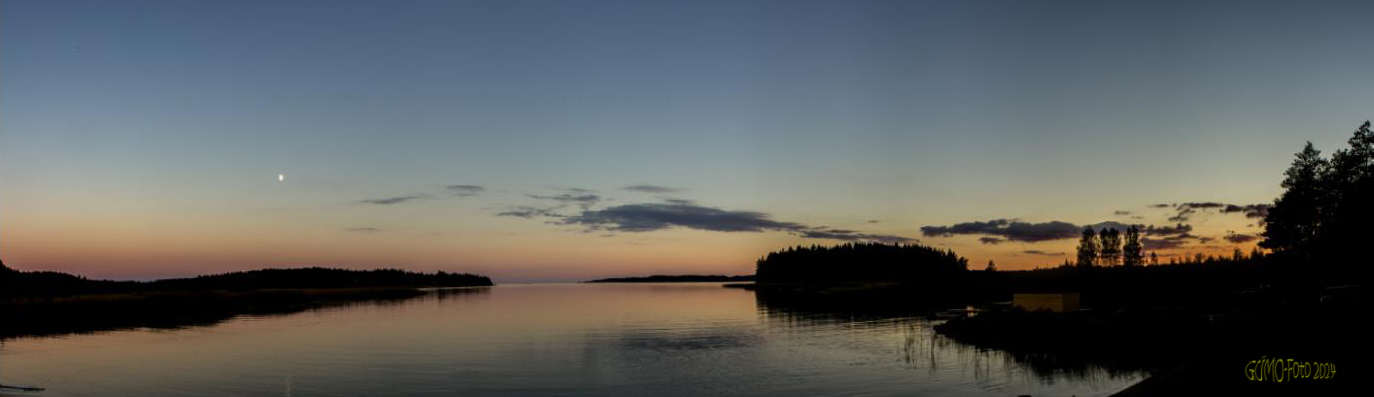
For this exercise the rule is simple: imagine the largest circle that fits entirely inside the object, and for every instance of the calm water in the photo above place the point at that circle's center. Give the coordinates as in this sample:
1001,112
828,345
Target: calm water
555,339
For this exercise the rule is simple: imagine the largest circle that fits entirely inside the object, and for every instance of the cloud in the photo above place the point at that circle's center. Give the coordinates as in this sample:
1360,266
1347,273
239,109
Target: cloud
679,201
1160,206
1003,230
651,189
1240,238
873,221
581,199
1121,212
850,235
531,212
1039,252
660,216
363,229
1205,205
1251,211
1166,230
1187,210
1009,229
1170,242
1183,215
394,200
465,190
1162,243
652,216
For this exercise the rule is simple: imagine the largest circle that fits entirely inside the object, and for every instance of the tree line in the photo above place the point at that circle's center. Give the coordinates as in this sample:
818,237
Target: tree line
859,262
1109,248
1325,208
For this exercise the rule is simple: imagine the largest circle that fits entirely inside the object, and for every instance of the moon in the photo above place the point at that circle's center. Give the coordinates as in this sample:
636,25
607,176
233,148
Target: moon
281,177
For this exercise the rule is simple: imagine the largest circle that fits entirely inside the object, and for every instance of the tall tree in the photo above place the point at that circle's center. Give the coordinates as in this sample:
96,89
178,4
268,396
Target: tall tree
1132,253
1349,192
1110,253
1294,220
1087,248
992,267
1154,259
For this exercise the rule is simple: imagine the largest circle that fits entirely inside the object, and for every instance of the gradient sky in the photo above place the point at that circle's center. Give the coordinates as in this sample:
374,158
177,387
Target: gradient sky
144,139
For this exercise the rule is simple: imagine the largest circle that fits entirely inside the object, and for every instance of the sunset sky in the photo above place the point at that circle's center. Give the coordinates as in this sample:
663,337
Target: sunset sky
567,140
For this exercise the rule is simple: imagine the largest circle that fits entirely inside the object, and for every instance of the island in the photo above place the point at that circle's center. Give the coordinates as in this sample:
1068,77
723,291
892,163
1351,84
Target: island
53,303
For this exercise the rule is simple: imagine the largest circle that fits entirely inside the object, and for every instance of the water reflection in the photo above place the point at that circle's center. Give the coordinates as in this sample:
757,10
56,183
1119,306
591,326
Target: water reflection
925,349
160,315
616,340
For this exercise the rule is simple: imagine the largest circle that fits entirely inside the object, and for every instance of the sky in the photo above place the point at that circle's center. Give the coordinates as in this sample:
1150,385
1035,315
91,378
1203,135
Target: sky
565,140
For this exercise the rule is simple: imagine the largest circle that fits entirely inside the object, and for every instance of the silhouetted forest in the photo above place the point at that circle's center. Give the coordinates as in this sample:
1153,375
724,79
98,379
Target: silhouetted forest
53,284
1326,207
687,278
859,262
47,303
1193,321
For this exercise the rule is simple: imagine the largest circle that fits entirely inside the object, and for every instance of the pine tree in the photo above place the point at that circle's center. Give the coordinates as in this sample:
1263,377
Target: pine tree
1132,251
992,267
1347,212
1087,248
1154,259
1294,220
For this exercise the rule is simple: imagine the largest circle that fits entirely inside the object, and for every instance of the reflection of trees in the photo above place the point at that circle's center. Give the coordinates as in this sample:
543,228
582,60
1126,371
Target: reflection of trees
193,309
922,347
804,306
457,293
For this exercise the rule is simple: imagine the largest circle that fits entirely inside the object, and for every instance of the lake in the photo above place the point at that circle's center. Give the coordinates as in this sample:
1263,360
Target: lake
543,339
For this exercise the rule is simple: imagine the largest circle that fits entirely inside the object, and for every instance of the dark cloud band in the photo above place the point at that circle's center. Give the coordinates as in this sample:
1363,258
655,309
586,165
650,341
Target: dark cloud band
660,216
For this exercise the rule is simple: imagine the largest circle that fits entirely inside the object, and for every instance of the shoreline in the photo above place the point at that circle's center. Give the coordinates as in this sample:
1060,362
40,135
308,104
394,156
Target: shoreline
88,313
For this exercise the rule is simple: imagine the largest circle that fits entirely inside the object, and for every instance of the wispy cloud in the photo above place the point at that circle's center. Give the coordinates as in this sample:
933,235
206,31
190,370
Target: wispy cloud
651,189
531,212
1167,230
395,200
1185,211
1039,252
363,230
1259,211
465,190
1239,238
1166,243
581,199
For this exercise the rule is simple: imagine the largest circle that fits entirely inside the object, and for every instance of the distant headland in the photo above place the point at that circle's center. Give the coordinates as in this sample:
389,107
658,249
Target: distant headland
50,303
686,278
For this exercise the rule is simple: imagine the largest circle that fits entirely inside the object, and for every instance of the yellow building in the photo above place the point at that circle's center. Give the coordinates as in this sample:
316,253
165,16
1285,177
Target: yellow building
1056,302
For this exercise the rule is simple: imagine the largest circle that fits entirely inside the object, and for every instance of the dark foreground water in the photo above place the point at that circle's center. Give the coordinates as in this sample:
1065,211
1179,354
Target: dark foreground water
554,339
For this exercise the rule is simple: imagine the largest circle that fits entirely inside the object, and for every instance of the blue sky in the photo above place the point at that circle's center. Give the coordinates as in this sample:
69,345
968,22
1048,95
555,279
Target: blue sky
143,139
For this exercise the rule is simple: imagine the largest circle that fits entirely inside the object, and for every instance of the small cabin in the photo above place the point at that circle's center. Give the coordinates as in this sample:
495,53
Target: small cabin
1055,302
